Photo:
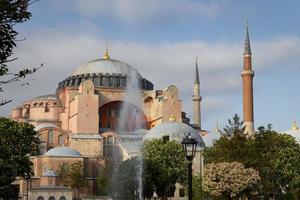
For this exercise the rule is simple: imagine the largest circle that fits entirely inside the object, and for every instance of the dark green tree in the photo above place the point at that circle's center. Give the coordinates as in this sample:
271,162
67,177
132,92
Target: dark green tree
275,156
18,142
12,12
295,188
164,165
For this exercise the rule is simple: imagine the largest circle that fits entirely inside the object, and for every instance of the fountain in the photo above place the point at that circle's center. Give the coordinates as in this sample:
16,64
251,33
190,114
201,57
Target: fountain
130,127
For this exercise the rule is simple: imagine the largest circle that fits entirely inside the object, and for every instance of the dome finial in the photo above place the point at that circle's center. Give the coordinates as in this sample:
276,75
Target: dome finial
106,55
172,118
295,126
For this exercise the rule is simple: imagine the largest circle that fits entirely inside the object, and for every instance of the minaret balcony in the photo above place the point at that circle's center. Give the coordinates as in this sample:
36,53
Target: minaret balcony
247,73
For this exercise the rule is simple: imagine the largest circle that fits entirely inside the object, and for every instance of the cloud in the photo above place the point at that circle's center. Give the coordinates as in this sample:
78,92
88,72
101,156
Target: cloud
137,11
164,63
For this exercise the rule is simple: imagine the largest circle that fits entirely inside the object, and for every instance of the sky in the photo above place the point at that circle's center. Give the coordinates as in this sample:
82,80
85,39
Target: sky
161,39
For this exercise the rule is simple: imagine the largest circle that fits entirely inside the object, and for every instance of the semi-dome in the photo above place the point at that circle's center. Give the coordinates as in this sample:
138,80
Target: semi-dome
176,131
107,66
63,152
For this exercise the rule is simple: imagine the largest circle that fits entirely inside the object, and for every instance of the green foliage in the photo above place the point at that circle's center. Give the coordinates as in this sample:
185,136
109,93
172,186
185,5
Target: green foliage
125,180
275,156
18,142
72,175
295,188
164,165
230,180
198,192
103,180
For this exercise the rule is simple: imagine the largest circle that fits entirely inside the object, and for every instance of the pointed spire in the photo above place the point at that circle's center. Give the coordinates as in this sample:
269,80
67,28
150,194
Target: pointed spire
197,73
247,49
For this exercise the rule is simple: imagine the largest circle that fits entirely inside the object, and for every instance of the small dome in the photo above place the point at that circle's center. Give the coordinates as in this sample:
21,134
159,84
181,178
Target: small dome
107,65
49,172
176,131
63,152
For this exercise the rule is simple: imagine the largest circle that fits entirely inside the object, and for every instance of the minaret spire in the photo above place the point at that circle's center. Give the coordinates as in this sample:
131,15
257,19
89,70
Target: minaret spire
247,77
247,48
197,73
197,98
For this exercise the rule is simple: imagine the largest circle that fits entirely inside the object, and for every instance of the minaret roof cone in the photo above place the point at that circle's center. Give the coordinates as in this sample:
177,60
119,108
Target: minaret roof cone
197,73
247,48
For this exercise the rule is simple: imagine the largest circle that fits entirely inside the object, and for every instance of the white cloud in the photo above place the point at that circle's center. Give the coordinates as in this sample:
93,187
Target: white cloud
137,11
220,64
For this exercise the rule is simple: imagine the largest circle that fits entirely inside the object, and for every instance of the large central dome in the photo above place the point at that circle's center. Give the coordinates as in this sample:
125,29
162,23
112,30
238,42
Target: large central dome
106,73
110,66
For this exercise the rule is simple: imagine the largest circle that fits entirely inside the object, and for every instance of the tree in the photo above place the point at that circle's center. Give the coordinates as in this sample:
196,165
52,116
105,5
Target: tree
125,180
164,165
103,180
18,141
12,13
230,180
198,192
73,176
275,156
295,188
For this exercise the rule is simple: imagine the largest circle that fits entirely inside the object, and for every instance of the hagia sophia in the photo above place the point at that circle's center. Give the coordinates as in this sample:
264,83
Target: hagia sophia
83,121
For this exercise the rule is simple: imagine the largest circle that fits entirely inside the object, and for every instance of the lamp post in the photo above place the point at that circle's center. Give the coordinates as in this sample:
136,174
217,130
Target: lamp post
189,145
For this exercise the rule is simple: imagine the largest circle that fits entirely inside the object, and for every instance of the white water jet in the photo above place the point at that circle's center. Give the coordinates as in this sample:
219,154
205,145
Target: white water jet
131,119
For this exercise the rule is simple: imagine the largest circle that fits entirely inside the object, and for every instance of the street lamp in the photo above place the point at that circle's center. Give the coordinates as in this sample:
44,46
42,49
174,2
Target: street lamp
189,145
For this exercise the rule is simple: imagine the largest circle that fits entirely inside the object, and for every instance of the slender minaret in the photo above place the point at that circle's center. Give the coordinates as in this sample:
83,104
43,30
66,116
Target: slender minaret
247,76
197,98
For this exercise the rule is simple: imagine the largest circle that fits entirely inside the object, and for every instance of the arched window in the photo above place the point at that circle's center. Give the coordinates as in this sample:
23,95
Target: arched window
60,139
62,198
50,137
51,198
40,198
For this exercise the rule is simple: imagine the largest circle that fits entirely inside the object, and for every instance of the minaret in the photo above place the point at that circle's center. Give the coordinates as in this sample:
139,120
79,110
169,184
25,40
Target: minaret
247,76
197,98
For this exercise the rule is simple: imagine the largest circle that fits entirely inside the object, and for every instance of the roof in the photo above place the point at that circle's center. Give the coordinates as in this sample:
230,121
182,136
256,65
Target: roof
44,125
210,137
109,66
176,131
63,152
46,97
86,136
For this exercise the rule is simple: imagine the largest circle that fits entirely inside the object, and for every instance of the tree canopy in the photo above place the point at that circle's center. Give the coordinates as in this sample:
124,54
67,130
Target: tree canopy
73,175
230,180
164,165
18,141
275,156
